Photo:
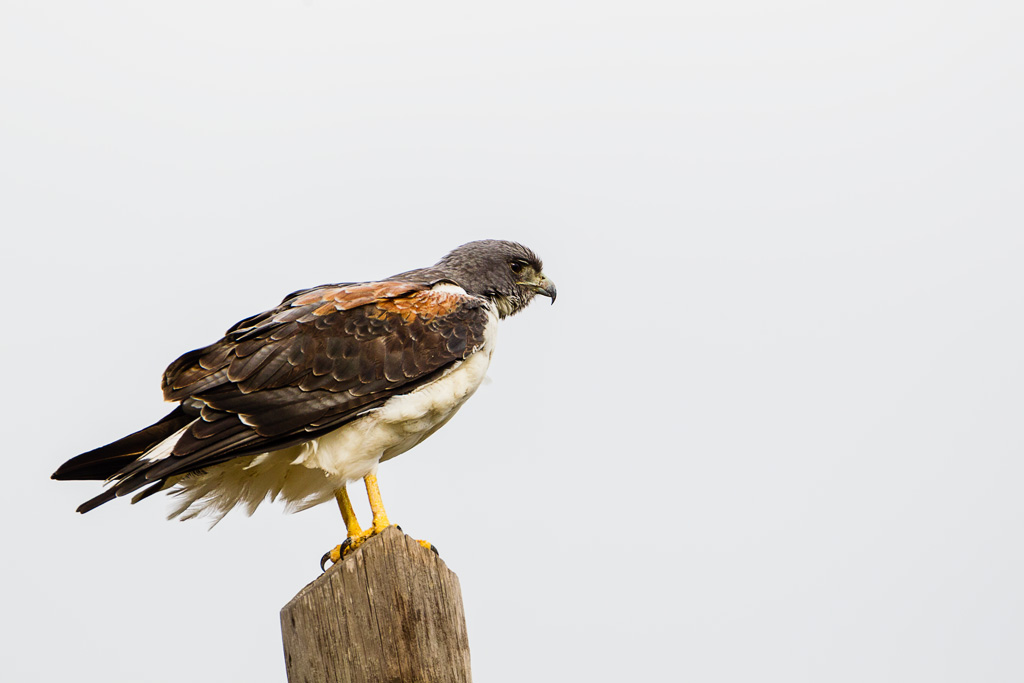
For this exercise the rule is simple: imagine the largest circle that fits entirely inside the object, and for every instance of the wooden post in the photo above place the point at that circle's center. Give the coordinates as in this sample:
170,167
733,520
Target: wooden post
390,611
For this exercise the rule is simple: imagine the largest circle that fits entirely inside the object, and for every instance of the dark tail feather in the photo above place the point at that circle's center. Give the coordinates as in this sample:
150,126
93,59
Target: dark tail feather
121,488
106,496
106,461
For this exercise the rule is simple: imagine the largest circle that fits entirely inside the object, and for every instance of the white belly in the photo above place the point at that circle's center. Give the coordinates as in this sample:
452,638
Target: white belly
308,474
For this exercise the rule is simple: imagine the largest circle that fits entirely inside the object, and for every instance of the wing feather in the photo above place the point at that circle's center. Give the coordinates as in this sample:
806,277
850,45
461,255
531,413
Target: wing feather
318,360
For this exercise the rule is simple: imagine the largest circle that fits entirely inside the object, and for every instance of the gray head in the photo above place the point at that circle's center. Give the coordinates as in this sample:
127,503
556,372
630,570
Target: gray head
506,273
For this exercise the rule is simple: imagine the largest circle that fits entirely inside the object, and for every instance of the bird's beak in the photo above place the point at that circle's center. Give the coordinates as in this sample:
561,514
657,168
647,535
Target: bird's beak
547,288
543,286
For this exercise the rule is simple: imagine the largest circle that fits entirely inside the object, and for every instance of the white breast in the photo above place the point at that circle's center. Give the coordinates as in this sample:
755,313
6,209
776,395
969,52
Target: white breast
310,473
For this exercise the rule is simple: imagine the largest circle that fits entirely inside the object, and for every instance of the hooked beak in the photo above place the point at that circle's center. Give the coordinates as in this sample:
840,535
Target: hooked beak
544,287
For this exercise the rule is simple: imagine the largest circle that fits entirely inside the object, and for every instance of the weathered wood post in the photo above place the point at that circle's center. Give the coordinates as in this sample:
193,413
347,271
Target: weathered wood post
391,611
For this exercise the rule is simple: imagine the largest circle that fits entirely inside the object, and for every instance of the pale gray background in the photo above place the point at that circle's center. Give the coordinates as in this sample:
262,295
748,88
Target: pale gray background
770,431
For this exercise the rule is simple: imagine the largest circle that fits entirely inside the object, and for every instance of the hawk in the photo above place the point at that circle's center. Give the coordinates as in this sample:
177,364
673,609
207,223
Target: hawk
294,403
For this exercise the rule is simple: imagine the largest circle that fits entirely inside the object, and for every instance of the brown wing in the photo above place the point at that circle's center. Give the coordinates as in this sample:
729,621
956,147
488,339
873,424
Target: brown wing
317,361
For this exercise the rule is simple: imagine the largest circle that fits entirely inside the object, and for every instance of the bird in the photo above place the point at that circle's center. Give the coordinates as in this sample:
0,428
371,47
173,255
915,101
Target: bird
296,402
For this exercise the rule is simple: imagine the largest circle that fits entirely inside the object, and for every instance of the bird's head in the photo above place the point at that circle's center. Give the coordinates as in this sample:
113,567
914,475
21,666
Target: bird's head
506,273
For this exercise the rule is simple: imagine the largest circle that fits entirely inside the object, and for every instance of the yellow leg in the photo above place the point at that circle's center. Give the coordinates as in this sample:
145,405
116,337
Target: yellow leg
351,526
356,535
347,513
380,517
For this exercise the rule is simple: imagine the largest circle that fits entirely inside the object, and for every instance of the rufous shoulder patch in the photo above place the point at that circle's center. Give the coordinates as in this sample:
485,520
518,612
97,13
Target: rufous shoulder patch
424,304
352,296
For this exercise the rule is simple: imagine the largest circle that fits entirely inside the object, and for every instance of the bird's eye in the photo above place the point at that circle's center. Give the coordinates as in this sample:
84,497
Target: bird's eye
516,267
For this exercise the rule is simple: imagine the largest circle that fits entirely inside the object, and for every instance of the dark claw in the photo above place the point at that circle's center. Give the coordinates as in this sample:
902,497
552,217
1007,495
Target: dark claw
399,528
341,553
434,548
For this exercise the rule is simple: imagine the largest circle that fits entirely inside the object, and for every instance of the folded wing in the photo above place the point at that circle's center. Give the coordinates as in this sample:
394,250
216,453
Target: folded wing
319,360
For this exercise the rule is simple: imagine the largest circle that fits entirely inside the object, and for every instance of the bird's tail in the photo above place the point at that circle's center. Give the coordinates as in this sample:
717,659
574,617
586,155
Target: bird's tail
106,461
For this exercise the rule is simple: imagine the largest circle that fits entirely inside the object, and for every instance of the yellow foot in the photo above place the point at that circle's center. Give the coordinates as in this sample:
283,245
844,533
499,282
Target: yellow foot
353,542
429,546
426,544
350,544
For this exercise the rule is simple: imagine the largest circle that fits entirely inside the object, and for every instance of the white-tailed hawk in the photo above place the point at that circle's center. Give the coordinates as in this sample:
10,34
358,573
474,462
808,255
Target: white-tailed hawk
294,403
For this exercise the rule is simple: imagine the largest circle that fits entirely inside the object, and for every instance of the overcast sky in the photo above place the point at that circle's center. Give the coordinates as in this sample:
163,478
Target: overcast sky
770,431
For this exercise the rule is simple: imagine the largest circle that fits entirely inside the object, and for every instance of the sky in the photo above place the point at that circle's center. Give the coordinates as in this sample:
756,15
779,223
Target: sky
771,429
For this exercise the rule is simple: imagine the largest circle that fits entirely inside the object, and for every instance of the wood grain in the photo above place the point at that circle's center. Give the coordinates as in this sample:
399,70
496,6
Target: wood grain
389,612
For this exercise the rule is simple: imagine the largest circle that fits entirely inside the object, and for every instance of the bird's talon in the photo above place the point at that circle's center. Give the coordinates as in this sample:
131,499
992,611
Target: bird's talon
323,560
335,554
